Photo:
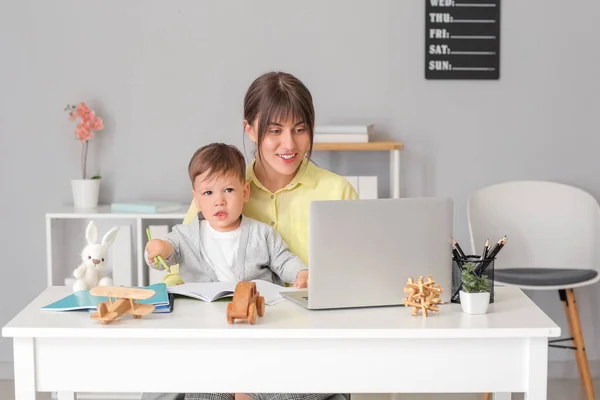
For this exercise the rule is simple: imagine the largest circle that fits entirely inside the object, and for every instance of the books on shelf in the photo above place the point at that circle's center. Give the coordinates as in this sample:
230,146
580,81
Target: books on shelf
149,207
213,291
364,129
343,133
340,138
84,301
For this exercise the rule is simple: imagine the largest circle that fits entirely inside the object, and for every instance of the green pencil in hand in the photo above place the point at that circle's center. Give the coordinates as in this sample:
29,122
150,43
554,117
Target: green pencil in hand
158,258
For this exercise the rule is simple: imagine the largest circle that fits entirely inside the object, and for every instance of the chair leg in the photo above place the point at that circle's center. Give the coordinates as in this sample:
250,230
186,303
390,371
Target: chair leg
580,355
487,396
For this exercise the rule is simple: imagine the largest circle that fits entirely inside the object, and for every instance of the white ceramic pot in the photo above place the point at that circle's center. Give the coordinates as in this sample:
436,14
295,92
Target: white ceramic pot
85,193
474,303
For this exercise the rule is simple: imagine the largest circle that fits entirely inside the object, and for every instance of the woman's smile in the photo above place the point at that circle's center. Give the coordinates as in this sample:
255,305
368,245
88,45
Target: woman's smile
288,158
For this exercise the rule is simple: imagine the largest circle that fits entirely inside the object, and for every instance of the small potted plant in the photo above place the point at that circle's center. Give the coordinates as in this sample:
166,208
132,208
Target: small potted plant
475,293
85,190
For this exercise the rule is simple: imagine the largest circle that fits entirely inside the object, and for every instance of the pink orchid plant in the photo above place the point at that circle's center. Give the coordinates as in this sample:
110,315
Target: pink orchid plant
88,123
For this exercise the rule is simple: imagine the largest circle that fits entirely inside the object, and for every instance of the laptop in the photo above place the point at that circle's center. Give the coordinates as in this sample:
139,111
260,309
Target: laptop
361,252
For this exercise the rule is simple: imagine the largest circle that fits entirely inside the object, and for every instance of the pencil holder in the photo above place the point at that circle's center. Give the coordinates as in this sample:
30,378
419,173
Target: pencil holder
485,267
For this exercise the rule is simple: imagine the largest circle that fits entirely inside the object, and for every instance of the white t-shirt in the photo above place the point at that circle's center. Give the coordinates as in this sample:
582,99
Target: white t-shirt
220,250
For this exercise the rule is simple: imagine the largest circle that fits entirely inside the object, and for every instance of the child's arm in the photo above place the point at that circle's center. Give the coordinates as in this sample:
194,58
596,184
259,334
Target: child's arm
167,247
159,248
284,263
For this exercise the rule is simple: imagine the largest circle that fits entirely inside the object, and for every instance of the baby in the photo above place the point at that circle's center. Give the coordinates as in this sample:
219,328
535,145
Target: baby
221,244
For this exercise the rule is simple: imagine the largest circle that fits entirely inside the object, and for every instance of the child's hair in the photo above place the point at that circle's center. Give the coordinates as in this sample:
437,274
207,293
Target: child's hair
220,160
278,96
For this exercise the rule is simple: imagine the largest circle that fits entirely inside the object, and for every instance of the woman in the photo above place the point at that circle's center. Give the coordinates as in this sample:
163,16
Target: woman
279,118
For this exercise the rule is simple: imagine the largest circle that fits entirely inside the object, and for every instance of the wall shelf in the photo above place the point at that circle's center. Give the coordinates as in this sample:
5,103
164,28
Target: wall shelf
370,146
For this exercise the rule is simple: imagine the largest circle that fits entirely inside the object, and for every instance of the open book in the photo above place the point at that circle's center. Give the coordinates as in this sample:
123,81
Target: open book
211,291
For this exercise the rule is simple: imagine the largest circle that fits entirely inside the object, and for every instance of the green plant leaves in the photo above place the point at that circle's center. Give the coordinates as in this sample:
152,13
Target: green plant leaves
472,283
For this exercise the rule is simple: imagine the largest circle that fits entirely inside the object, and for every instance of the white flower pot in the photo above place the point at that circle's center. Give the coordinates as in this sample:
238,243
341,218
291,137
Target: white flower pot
85,193
474,303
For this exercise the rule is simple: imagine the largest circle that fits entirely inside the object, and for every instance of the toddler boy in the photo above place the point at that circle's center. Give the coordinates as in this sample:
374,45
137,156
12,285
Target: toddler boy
221,244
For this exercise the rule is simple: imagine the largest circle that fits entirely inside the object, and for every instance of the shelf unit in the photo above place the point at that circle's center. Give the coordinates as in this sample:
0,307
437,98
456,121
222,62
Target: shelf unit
65,238
393,147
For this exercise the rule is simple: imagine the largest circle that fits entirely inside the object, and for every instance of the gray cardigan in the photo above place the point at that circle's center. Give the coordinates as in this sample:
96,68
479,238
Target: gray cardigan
262,254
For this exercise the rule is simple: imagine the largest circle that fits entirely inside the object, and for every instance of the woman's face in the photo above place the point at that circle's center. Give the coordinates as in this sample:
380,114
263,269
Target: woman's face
283,147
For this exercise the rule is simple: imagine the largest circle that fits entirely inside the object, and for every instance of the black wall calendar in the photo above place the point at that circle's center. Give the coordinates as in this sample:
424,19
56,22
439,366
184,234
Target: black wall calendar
462,39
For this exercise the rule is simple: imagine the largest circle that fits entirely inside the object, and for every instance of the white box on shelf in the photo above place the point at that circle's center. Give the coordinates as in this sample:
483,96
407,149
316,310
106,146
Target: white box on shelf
367,187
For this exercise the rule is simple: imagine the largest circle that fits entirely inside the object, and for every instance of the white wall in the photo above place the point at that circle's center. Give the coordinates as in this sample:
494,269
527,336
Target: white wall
168,77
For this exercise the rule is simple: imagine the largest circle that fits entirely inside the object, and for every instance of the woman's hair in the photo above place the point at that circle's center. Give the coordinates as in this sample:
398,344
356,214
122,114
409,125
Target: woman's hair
219,160
277,97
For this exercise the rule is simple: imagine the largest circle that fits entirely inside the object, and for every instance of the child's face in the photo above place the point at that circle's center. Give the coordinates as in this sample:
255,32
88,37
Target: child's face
284,145
221,200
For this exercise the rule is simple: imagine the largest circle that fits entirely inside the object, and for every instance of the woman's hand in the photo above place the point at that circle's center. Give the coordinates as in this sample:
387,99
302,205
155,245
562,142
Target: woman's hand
157,247
301,279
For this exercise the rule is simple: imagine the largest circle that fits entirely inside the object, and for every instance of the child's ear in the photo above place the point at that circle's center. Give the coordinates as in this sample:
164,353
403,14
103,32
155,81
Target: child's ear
249,129
196,202
246,192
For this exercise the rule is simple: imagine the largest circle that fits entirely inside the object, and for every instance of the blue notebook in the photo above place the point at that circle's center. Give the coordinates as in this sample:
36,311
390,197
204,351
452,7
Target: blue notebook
83,300
150,207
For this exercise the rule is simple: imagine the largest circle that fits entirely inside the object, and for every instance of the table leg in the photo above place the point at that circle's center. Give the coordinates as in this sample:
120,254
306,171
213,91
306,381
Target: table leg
395,174
537,369
66,396
24,363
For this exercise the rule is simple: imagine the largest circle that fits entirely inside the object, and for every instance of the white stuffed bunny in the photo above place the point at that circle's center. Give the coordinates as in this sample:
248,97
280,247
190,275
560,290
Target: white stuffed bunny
94,258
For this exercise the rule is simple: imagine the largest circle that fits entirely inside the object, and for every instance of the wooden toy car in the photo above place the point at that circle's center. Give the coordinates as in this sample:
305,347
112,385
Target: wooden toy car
246,303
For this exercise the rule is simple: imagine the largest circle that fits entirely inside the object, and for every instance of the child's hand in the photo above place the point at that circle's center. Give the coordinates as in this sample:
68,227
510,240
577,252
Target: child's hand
301,279
157,247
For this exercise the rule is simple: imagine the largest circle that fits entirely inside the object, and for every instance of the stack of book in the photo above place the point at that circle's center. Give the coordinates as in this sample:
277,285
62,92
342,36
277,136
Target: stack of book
342,133
83,300
150,207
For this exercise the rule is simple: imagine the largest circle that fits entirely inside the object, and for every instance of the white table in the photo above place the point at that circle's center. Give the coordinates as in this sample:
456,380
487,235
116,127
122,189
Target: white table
290,349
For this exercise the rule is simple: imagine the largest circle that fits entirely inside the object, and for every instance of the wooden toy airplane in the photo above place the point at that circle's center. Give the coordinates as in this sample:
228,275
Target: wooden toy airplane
124,303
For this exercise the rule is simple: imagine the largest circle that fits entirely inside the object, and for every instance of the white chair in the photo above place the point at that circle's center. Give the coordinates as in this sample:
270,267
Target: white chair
553,233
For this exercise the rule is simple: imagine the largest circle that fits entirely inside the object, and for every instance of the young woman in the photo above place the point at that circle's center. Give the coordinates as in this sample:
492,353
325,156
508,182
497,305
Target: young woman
279,118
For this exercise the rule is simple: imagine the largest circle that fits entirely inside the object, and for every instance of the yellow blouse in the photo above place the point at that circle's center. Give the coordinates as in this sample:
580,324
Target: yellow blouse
287,209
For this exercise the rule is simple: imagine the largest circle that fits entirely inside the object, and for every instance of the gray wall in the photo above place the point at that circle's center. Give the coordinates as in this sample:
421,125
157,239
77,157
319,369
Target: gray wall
168,77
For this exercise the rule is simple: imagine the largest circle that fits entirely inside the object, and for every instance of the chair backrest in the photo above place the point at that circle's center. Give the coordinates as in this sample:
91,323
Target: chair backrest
548,224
